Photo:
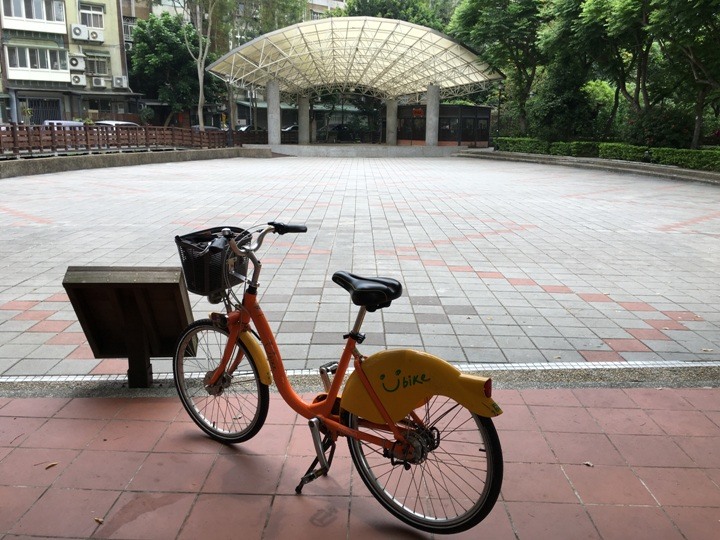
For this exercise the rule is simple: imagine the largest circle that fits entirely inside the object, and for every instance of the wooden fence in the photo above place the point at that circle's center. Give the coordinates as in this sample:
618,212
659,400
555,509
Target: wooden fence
18,141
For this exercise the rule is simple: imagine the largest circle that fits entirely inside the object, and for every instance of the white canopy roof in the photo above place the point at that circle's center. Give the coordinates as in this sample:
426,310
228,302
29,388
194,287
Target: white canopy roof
382,57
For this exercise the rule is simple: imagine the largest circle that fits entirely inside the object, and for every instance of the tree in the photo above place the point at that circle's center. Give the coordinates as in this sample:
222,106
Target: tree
505,35
689,32
561,109
202,14
413,11
161,65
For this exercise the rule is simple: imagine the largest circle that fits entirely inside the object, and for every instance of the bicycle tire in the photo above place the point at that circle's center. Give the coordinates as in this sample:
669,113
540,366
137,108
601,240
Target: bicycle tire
235,408
454,487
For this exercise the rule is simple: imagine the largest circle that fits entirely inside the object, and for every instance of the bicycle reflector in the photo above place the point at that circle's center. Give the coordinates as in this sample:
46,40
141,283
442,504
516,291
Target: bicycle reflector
488,388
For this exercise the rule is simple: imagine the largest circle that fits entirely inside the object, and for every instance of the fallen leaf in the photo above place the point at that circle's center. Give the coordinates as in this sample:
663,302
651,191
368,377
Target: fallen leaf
100,520
51,465
708,350
588,464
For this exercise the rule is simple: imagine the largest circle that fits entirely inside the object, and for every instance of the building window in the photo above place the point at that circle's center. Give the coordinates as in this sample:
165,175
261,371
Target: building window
97,65
58,60
41,59
55,10
129,24
92,16
47,10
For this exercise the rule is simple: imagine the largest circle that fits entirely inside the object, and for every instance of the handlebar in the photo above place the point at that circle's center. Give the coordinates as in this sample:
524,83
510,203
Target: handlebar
273,226
282,228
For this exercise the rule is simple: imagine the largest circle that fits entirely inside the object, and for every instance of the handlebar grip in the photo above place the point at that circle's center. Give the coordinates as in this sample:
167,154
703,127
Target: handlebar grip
282,228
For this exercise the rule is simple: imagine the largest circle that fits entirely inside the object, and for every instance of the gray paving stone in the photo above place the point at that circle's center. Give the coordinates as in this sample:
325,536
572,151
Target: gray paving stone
516,221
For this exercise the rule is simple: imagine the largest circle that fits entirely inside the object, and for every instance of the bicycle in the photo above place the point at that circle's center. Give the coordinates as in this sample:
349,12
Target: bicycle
419,431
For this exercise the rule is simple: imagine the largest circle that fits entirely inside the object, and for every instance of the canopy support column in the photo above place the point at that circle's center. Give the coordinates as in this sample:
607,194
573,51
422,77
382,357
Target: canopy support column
273,111
391,108
304,120
432,119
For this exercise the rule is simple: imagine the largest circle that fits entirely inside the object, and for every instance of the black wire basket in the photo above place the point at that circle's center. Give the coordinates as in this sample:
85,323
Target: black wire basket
209,272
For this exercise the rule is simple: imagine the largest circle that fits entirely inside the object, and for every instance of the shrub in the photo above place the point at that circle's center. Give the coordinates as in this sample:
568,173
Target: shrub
561,149
704,160
584,149
627,152
522,144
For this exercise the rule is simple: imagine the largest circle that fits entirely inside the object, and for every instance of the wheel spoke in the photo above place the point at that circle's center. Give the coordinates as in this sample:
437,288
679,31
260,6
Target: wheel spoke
233,408
445,487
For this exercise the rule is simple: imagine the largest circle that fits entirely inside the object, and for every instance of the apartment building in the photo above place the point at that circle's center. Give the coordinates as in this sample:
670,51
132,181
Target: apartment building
67,59
63,60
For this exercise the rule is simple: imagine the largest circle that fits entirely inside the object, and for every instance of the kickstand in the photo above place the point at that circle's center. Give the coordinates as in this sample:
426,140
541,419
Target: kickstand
320,449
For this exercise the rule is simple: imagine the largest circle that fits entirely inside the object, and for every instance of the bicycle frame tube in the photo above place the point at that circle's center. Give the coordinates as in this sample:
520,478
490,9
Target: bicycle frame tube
253,312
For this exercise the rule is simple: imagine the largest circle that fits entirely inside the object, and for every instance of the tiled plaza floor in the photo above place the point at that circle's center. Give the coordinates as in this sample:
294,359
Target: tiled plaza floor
501,262
584,463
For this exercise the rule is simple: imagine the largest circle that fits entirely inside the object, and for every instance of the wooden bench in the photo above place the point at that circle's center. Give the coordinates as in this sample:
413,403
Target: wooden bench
130,312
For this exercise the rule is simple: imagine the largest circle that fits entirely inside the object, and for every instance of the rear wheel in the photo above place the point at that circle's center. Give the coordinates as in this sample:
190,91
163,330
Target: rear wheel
234,408
448,477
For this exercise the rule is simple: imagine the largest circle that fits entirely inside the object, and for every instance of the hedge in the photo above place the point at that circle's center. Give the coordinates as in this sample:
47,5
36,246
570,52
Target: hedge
525,145
626,152
705,160
535,146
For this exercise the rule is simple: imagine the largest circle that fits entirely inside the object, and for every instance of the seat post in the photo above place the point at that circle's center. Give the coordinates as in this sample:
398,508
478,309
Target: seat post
359,320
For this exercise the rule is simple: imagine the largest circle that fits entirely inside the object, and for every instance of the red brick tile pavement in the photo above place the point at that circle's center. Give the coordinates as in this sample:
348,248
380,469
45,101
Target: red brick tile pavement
579,463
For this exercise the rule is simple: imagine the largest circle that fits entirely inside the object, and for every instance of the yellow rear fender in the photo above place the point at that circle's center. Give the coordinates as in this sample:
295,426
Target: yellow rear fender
258,354
405,379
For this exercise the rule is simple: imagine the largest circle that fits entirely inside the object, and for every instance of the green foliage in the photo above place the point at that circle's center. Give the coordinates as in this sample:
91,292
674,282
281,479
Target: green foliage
704,160
627,152
160,65
584,149
526,145
505,35
529,145
668,126
560,149
414,11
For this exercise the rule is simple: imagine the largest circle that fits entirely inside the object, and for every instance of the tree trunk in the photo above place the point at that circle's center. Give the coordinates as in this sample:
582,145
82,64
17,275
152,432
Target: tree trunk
699,108
613,114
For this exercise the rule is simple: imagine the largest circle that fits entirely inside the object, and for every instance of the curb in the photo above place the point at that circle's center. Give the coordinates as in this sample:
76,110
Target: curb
630,167
44,165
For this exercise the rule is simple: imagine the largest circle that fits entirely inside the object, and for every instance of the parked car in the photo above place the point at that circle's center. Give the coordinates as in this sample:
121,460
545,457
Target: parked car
116,123
206,128
249,127
63,123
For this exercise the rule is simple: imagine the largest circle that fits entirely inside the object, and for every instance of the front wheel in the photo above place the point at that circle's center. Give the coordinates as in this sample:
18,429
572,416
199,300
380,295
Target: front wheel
451,479
234,408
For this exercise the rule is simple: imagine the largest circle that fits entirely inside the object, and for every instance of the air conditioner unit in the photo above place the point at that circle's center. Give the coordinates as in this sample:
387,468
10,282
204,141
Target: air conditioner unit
77,63
128,46
120,81
96,35
78,80
79,31
98,82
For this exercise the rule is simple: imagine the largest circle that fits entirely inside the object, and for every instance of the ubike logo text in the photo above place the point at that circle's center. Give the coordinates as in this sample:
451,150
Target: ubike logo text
402,381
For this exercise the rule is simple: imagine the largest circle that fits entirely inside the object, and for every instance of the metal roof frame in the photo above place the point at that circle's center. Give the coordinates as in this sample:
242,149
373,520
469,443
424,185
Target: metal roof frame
385,58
